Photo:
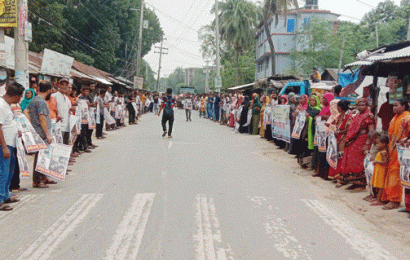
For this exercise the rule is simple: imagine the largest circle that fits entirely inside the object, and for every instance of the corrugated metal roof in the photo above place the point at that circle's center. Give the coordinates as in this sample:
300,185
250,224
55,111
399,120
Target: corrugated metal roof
402,53
242,86
359,63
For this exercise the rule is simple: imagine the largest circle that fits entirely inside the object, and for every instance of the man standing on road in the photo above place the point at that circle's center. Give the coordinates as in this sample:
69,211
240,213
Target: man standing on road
188,103
39,115
168,115
8,135
63,106
156,107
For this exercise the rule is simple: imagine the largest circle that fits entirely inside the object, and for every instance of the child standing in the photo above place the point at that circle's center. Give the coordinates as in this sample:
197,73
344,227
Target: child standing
380,167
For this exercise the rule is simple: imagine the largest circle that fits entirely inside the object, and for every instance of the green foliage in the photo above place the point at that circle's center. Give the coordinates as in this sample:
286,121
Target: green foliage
81,57
229,72
100,30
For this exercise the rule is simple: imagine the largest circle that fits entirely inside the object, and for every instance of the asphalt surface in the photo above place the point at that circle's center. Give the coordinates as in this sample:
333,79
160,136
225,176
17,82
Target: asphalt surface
204,194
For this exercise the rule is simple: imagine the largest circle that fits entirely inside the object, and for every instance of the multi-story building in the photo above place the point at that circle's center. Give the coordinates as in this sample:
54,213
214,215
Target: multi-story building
286,39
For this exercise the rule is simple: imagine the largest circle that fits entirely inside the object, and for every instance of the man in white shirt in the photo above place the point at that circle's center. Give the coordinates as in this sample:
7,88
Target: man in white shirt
188,104
64,106
8,135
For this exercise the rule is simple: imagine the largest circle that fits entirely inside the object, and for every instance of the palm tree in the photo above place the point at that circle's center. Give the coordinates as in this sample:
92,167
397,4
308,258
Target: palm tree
274,8
238,22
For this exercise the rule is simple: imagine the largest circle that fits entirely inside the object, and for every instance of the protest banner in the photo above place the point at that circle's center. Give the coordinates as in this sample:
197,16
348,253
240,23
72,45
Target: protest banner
98,115
321,135
91,119
281,123
299,125
22,160
56,132
404,160
134,105
53,161
368,168
332,153
78,120
108,118
82,104
73,129
32,141
118,112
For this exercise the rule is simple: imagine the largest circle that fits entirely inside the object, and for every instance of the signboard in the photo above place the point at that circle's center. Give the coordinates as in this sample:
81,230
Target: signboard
55,63
299,125
53,161
281,123
218,83
28,35
138,82
9,52
8,13
145,24
32,141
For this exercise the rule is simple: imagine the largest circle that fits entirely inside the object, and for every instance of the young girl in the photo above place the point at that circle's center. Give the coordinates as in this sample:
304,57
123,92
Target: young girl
380,166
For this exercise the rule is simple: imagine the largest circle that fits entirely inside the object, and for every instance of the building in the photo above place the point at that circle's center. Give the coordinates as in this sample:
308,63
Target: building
286,39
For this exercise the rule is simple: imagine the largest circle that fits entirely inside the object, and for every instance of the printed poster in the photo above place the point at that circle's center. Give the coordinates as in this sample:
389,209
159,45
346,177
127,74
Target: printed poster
281,123
404,160
332,153
22,160
82,104
321,135
53,161
108,118
299,125
368,168
32,141
118,112
91,119
73,129
56,132
98,115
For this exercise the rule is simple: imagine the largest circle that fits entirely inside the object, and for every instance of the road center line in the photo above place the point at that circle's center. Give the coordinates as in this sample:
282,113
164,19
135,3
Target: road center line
361,243
48,242
131,230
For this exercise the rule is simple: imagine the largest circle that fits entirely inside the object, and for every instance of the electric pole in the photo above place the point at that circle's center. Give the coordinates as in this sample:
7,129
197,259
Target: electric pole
341,57
207,77
408,31
377,37
161,51
140,40
218,62
21,45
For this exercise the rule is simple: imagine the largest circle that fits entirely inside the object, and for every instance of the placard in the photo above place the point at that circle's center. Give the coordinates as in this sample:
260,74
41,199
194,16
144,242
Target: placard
368,168
299,125
53,161
32,140
91,119
55,63
404,160
281,123
321,135
108,118
22,160
82,104
332,152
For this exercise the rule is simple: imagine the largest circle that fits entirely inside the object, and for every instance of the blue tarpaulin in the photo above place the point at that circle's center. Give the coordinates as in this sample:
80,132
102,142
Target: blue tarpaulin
348,78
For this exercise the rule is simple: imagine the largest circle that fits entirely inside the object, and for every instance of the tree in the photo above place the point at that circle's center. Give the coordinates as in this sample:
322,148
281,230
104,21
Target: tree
238,22
274,8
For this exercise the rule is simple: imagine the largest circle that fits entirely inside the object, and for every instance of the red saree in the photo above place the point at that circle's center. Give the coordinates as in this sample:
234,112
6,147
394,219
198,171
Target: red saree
342,123
352,163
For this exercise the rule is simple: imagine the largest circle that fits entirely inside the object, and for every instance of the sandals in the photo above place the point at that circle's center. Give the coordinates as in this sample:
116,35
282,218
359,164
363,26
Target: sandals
40,185
11,200
391,205
377,203
48,181
4,207
164,134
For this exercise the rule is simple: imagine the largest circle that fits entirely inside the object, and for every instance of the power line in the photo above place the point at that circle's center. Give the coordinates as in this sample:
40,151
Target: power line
366,4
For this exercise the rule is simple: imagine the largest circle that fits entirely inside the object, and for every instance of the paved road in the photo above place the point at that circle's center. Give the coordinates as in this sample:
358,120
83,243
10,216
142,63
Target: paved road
205,194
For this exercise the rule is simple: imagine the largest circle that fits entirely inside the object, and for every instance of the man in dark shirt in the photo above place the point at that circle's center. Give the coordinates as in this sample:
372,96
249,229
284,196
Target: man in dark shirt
39,115
168,115
386,114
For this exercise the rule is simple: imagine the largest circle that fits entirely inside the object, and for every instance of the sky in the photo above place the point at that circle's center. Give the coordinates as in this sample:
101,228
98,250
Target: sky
182,19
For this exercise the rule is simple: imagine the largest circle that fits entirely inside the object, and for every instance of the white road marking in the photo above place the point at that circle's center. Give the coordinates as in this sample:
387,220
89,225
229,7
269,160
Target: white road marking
170,144
277,229
48,242
22,204
209,244
131,229
164,174
361,243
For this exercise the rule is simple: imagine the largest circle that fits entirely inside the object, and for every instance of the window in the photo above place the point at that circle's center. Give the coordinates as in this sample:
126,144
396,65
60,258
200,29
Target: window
291,25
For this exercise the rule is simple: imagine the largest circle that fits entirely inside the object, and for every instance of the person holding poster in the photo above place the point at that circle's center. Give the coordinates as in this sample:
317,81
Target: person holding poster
380,167
100,113
399,131
308,136
8,136
188,104
39,115
352,167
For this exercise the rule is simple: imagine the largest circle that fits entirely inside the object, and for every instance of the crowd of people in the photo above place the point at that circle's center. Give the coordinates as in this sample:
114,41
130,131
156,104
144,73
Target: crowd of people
45,104
351,122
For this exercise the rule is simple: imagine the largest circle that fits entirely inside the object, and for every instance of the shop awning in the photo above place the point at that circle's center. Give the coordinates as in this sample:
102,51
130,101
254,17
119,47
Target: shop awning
101,80
250,85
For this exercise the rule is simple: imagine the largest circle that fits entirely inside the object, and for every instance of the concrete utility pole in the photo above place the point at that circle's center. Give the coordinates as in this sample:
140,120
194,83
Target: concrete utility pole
140,40
408,31
21,45
218,62
161,51
207,77
341,57
377,37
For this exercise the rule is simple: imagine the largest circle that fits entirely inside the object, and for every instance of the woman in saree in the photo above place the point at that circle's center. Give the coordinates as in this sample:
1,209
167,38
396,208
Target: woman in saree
28,96
352,163
256,112
232,111
306,145
322,169
265,102
341,125
399,131
283,100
